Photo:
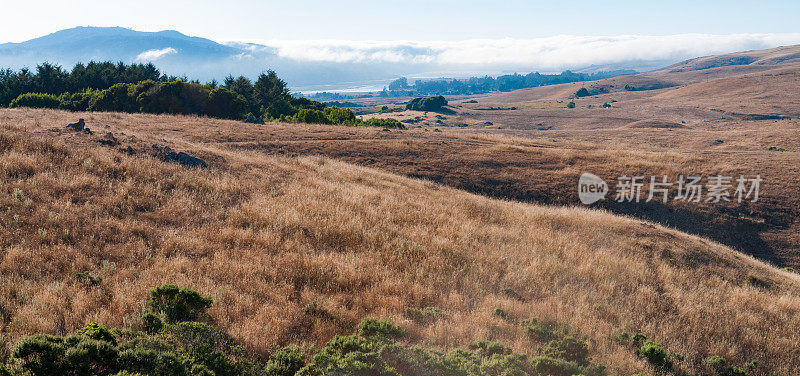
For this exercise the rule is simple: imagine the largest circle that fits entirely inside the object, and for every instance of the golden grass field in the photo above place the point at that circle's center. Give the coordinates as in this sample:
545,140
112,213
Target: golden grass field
265,235
366,222
708,121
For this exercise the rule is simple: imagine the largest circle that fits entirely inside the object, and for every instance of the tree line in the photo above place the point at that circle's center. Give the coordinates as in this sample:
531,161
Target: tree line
487,84
143,88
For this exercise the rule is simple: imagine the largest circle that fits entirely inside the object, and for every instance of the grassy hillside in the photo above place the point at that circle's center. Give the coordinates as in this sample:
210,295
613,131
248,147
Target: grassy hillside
730,115
267,235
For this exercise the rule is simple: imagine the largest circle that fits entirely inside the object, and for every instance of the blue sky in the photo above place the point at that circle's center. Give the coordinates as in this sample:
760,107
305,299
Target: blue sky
402,20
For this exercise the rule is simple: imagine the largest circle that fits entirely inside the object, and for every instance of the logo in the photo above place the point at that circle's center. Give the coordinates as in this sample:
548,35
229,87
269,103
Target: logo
591,188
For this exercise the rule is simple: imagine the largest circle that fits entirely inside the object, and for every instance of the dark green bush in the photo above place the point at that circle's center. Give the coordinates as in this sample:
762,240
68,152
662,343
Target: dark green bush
571,104
383,123
542,331
654,354
151,323
488,348
337,115
42,354
174,97
427,104
639,339
501,313
554,367
92,357
415,361
36,100
178,304
225,104
98,332
310,117
719,365
116,98
76,101
425,315
568,348
507,365
582,92
380,328
285,361
205,345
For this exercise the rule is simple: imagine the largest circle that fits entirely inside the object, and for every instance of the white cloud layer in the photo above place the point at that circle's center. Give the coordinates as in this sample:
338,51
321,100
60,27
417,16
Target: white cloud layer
551,53
153,55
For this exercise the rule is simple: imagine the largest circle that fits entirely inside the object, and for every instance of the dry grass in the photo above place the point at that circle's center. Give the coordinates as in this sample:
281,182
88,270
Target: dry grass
265,235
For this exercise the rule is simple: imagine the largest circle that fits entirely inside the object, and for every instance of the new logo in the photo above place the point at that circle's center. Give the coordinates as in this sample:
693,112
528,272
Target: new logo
591,188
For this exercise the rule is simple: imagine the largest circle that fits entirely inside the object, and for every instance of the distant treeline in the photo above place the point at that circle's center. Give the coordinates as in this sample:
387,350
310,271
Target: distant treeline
480,85
142,88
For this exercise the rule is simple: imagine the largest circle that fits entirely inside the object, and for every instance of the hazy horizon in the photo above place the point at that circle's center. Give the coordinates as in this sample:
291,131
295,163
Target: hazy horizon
319,43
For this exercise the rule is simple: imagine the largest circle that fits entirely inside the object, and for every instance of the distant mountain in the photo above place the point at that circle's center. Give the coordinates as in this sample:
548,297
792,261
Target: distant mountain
177,54
115,43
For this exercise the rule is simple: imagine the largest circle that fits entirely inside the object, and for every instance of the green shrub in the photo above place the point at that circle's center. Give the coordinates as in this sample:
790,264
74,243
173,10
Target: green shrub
76,101
380,328
506,365
98,332
92,357
623,337
501,313
582,92
310,116
201,370
486,349
342,116
554,367
716,363
225,104
383,123
720,366
285,361
36,100
205,345
178,304
571,104
542,331
174,97
568,348
415,361
425,315
654,354
151,323
116,98
42,354
427,104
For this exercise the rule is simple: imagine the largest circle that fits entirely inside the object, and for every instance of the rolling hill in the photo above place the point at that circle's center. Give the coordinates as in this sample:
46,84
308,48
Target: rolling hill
298,232
266,235
734,120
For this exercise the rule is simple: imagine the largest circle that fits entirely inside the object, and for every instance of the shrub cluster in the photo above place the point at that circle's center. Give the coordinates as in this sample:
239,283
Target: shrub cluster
427,104
174,343
142,88
424,316
179,347
582,92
